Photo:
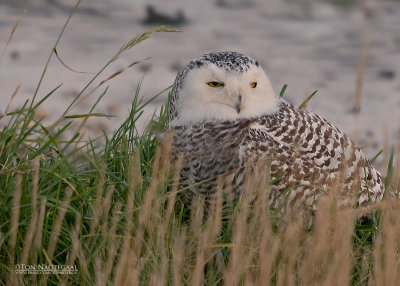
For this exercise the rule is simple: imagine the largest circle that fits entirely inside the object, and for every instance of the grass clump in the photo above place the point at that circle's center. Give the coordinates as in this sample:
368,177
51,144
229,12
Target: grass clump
114,216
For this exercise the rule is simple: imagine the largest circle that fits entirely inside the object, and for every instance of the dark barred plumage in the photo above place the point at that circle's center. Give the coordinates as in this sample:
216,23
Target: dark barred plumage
305,151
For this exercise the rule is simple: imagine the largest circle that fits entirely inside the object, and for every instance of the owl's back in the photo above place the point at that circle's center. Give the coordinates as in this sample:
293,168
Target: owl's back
306,156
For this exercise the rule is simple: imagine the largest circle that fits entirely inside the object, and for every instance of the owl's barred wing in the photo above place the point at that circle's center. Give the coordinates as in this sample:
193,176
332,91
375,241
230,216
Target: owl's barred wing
307,154
323,153
310,135
289,169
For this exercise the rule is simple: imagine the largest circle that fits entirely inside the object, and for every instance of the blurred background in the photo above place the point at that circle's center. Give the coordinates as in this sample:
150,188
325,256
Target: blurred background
347,50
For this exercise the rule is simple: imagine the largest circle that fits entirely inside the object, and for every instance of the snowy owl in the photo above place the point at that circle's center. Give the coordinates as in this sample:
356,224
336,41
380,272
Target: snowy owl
225,114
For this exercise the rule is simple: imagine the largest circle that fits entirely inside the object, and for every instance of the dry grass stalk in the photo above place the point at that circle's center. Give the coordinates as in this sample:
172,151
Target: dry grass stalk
12,97
239,259
194,244
105,206
100,279
378,265
164,224
55,232
135,182
15,212
35,214
206,230
165,151
159,174
113,241
74,251
197,233
97,210
387,246
35,183
291,238
125,252
156,221
174,190
147,221
29,238
161,272
39,234
83,262
135,172
268,243
135,263
130,264
328,247
268,249
258,220
339,272
178,256
159,277
13,30
151,219
120,71
214,222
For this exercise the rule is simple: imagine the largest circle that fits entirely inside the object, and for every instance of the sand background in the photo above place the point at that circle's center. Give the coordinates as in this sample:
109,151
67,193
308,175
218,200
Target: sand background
305,44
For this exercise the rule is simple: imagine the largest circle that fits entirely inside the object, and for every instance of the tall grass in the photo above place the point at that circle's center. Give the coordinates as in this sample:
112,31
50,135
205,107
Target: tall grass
116,212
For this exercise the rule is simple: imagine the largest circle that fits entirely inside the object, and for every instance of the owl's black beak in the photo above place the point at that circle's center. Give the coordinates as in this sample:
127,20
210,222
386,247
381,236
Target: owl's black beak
239,103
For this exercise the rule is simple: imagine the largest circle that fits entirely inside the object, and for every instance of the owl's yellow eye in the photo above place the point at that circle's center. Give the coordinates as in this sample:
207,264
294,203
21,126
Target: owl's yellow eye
253,84
215,84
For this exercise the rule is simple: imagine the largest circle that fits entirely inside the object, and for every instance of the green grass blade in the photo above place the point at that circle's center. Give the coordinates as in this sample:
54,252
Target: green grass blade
283,90
305,102
46,97
376,156
51,139
389,173
52,51
87,115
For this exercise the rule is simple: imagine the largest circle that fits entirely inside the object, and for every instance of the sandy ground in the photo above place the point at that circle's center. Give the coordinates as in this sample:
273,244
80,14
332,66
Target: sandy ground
306,44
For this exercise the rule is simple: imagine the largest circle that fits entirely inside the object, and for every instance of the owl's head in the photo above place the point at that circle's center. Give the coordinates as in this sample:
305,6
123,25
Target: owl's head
221,86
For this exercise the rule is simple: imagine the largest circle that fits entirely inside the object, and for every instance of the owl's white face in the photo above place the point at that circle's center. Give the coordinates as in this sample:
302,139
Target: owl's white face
211,93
